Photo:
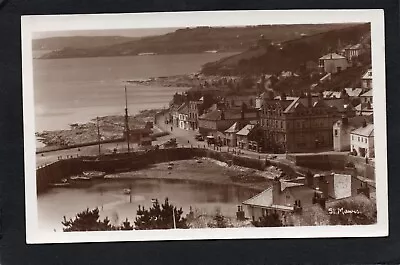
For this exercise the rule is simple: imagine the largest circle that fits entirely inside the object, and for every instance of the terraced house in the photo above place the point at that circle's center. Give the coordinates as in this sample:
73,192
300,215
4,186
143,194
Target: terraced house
221,119
301,124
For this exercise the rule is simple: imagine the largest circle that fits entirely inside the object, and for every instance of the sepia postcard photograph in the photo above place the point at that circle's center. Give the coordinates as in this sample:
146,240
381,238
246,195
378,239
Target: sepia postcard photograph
204,125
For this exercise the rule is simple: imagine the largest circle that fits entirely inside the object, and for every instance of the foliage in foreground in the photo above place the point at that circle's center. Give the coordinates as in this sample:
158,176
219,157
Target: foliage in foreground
160,216
89,220
156,217
271,219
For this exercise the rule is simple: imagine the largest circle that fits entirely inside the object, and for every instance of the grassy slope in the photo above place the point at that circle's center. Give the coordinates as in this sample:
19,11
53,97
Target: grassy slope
199,40
77,42
272,59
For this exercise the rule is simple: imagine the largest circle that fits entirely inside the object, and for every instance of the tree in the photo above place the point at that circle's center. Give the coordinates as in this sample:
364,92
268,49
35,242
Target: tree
126,225
160,217
87,220
219,221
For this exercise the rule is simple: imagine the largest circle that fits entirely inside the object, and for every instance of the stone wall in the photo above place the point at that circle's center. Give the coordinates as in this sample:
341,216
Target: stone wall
111,163
336,162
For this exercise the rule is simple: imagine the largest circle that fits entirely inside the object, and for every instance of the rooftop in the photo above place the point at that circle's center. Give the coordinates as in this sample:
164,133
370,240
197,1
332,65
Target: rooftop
229,114
337,103
364,107
367,131
355,47
353,92
183,109
246,130
367,94
332,56
356,121
234,128
368,74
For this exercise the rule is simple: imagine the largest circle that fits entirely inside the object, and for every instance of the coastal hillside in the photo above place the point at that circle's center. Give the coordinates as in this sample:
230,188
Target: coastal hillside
271,57
195,40
77,42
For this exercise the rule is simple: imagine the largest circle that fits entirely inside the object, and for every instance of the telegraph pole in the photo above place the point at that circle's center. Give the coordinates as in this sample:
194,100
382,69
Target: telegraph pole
127,120
98,134
173,217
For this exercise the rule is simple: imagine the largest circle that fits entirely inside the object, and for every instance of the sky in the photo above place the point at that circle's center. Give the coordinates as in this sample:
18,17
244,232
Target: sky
114,32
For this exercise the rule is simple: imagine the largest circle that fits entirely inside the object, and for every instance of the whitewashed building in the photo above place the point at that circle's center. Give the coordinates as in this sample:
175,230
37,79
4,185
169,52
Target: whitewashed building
343,128
333,63
367,97
366,80
362,141
183,116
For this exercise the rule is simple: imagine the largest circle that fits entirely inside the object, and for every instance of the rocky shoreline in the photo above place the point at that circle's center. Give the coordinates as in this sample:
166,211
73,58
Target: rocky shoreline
168,81
194,80
111,128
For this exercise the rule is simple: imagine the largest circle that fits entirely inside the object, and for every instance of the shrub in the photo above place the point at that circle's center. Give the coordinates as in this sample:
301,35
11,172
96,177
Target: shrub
160,216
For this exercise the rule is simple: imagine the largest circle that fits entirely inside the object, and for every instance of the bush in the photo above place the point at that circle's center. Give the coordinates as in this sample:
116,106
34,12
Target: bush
160,217
270,220
219,221
88,220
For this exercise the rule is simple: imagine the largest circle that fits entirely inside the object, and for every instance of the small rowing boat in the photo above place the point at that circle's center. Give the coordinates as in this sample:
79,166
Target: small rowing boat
94,174
79,178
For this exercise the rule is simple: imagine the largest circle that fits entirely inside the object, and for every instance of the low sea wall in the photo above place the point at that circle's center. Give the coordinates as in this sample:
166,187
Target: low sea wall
337,162
112,163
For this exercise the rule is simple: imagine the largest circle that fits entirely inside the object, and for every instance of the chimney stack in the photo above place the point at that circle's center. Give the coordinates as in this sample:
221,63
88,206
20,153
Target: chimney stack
276,190
222,115
309,179
323,186
345,120
283,96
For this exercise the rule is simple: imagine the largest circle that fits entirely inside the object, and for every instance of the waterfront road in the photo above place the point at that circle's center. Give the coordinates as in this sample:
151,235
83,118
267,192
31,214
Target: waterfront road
184,138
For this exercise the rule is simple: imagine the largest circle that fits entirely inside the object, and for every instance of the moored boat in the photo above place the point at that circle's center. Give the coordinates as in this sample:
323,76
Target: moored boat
79,178
94,174
61,184
112,176
147,53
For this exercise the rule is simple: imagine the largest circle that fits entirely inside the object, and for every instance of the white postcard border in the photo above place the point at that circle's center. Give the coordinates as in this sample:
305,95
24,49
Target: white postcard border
31,24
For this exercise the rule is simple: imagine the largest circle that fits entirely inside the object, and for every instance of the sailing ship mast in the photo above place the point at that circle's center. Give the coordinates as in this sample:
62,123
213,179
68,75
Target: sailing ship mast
98,134
127,134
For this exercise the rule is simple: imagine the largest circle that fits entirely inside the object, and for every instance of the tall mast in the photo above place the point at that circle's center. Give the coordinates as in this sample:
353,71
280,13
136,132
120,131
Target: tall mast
98,134
127,120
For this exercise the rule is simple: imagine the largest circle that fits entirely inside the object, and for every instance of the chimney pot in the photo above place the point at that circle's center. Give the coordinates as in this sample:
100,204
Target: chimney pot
364,124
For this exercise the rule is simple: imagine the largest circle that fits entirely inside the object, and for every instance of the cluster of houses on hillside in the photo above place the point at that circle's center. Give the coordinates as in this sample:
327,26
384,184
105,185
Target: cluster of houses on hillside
266,121
292,196
326,120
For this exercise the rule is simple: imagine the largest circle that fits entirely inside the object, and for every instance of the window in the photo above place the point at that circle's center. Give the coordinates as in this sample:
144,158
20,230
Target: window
359,138
336,133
